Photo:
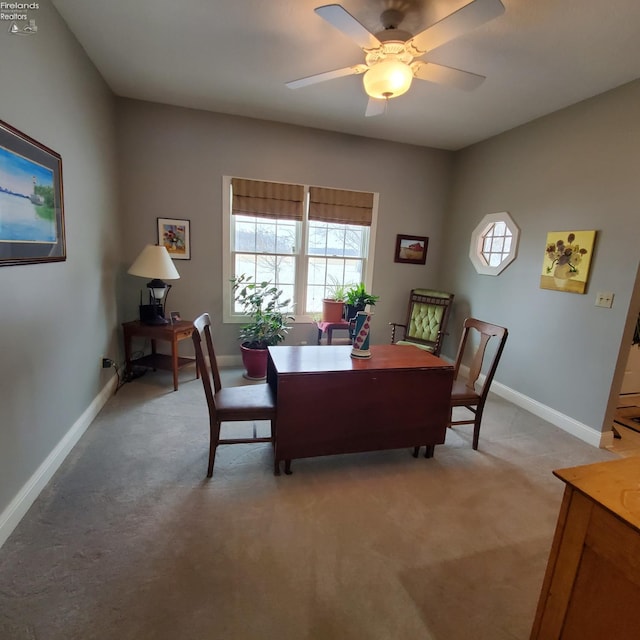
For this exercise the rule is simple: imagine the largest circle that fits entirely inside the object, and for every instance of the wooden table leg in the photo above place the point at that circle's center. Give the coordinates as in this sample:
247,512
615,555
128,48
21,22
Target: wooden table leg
329,335
174,361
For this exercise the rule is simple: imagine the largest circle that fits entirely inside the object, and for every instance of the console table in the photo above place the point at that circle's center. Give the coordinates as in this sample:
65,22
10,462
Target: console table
173,333
330,403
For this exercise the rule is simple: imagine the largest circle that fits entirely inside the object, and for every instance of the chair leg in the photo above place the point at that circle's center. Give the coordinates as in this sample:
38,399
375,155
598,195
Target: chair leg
287,468
212,456
214,438
476,429
430,450
276,463
416,452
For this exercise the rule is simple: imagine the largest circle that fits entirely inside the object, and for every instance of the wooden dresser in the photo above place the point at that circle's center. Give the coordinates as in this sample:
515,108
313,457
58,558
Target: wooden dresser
591,589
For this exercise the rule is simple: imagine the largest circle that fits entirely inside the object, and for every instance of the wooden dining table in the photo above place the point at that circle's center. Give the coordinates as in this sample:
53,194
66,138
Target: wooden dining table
329,402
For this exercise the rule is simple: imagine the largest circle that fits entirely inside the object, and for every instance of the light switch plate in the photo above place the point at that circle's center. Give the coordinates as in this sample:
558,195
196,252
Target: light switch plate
604,299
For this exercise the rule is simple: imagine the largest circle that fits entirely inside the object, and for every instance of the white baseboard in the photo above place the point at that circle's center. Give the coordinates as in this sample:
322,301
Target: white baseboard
566,423
19,506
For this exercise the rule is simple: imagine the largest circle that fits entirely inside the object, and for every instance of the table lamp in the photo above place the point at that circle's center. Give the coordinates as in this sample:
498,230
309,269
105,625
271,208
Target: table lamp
154,262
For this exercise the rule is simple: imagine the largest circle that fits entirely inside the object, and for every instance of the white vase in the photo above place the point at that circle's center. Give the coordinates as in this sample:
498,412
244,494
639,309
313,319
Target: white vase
360,347
562,276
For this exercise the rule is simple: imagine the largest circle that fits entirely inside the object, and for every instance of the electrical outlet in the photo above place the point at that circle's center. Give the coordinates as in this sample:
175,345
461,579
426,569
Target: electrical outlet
107,363
604,299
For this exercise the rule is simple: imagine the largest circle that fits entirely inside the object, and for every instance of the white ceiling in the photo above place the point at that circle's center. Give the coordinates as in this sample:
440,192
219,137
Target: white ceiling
234,56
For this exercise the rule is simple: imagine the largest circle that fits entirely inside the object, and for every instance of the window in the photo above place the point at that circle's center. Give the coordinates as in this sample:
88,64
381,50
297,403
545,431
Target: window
494,243
304,239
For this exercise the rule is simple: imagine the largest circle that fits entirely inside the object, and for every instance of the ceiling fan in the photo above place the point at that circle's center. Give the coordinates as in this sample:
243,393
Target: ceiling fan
392,56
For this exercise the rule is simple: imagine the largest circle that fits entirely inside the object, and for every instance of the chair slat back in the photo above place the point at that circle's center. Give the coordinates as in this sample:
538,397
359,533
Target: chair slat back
210,372
486,331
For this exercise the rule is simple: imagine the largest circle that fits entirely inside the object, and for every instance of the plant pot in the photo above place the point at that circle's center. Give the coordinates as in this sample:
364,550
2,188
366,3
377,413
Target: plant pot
351,310
255,363
332,310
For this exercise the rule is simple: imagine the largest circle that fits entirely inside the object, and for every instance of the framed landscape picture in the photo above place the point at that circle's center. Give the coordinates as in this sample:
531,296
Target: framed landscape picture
174,235
31,208
411,249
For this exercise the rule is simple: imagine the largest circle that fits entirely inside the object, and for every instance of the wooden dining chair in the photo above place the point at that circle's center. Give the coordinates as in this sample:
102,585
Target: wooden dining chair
426,323
229,404
469,393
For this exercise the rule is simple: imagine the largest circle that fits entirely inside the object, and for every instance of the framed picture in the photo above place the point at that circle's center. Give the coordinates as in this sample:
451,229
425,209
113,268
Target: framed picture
566,261
176,237
411,249
175,316
31,209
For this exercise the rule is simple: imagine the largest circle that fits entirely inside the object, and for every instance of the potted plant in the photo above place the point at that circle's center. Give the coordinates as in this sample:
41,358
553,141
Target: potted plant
357,299
333,304
262,302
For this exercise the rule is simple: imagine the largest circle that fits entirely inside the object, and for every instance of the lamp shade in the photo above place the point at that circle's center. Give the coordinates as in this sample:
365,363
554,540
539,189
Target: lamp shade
154,262
388,79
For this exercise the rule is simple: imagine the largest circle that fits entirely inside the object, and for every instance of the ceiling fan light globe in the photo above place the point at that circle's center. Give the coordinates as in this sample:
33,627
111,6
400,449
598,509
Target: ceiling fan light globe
387,79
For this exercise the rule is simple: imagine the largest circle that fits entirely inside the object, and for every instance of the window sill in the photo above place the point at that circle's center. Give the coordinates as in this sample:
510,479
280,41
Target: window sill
300,319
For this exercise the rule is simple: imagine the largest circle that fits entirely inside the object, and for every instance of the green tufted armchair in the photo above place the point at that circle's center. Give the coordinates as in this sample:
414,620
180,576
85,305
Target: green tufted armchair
426,322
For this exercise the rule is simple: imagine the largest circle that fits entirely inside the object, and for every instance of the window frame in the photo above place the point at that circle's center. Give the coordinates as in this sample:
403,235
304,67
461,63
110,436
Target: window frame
476,254
228,313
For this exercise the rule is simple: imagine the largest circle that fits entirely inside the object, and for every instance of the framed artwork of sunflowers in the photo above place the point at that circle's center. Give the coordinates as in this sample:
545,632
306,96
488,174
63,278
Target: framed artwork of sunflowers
567,258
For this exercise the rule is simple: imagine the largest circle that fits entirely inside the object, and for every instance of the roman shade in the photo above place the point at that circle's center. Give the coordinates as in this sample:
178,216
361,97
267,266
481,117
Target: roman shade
267,199
340,207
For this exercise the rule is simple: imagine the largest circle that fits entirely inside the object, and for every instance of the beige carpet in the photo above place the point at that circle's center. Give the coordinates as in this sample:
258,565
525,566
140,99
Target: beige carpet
130,541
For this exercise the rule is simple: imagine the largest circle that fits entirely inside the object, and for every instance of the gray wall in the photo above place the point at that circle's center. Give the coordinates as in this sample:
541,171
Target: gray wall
575,169
58,318
172,161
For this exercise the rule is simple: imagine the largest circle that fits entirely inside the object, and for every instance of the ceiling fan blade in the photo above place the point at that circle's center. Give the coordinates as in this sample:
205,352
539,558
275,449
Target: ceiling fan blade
458,23
376,107
341,19
327,75
446,75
